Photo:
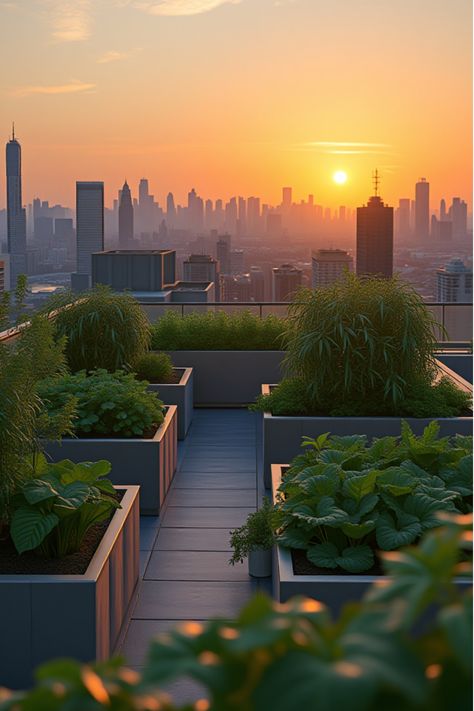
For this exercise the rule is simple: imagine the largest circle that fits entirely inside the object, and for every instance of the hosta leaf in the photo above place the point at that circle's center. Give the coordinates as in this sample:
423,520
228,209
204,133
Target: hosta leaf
320,486
356,487
396,532
358,530
324,555
354,462
382,448
29,527
332,456
38,490
396,481
326,513
73,495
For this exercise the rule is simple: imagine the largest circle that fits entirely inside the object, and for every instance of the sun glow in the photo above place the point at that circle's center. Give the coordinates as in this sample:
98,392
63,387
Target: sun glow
340,177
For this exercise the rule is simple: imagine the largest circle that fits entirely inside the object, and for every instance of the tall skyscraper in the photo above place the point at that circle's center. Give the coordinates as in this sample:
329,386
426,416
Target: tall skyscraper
202,268
329,265
16,214
170,210
422,209
286,280
286,198
125,218
459,218
404,217
89,228
375,237
223,248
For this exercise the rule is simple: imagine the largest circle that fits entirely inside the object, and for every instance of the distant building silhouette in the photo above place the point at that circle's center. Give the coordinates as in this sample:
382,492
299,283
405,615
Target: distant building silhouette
202,267
422,209
223,249
4,272
286,280
404,217
375,237
458,214
329,265
125,215
257,284
454,283
89,229
16,214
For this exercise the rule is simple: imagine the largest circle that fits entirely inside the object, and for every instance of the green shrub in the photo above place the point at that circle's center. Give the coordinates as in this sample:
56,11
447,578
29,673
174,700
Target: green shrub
294,656
53,512
110,404
343,498
217,330
154,367
257,532
103,329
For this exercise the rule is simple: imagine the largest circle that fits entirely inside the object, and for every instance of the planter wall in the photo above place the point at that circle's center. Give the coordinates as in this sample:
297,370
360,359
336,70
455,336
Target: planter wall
282,435
229,377
460,363
44,617
150,463
180,394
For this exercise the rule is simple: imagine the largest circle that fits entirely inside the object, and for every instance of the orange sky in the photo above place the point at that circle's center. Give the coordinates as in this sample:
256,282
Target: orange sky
239,98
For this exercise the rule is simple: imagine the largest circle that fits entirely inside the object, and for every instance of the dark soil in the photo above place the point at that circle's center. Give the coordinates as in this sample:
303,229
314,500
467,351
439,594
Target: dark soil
148,434
30,563
302,566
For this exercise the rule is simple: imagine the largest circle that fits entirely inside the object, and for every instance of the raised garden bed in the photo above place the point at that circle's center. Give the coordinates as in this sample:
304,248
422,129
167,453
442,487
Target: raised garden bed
459,363
282,435
229,377
181,394
149,462
64,615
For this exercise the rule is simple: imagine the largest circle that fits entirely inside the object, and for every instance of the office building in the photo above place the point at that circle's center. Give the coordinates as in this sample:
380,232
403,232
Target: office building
89,230
422,209
257,284
16,214
125,218
235,288
329,265
286,198
458,214
286,280
202,267
404,217
237,261
454,283
375,237
223,250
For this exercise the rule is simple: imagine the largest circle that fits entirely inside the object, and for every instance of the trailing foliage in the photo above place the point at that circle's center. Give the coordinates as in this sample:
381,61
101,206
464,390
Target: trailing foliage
218,331
343,498
257,532
108,404
294,656
53,511
155,367
103,329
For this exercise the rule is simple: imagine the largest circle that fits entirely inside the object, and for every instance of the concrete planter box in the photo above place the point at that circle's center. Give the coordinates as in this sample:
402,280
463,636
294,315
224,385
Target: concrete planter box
180,394
150,463
44,617
282,435
229,377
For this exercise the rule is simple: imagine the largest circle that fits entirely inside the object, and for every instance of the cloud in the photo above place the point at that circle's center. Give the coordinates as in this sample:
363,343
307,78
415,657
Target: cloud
112,55
347,144
71,20
73,87
346,147
180,7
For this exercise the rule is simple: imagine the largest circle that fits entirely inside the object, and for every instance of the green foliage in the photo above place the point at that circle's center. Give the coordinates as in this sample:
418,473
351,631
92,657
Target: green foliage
217,331
257,532
103,329
53,511
155,367
108,404
294,656
343,498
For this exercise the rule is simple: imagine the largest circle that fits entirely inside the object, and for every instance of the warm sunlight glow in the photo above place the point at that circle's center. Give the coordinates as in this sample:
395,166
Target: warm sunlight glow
340,177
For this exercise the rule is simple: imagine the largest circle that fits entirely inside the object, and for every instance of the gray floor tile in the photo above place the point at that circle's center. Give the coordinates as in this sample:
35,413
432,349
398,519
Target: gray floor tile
207,467
144,558
212,497
147,538
205,517
138,638
215,480
193,539
190,565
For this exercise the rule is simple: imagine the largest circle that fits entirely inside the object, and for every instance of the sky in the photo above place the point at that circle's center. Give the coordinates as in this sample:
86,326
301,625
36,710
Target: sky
239,97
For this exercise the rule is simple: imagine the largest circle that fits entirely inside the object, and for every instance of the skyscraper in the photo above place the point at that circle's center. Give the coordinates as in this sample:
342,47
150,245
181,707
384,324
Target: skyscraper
329,265
286,195
286,280
459,218
375,237
125,218
454,283
223,248
16,215
422,209
90,228
404,217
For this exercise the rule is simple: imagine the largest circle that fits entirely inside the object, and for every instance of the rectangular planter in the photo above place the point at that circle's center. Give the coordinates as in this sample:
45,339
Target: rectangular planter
43,617
229,377
150,463
180,394
282,435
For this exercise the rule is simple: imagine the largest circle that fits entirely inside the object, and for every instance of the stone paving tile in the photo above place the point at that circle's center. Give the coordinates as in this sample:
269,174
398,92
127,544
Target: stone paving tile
215,480
205,517
212,497
193,539
144,558
147,534
207,467
190,565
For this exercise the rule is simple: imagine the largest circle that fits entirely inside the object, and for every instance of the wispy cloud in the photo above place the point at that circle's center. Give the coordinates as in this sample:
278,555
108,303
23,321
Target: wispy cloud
71,20
73,87
180,7
113,55
346,147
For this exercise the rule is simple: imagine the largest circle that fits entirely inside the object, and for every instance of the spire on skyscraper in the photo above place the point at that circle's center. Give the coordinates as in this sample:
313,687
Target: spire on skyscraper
376,181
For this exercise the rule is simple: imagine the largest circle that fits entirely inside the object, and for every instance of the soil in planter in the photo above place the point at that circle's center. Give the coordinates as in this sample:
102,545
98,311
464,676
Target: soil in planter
29,563
302,566
148,434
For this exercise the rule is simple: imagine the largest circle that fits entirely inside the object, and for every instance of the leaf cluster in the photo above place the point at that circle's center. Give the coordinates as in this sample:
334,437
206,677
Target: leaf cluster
53,511
154,367
294,656
257,532
108,404
344,498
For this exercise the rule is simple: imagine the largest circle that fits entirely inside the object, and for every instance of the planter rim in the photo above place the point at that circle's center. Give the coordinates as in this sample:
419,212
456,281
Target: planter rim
101,554
225,350
184,379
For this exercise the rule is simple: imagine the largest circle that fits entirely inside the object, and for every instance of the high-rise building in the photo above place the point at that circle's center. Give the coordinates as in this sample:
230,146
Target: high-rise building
454,283
237,261
223,249
404,217
16,214
375,237
458,214
170,210
286,280
89,229
257,284
201,267
422,209
125,218
253,216
329,265
286,198
442,210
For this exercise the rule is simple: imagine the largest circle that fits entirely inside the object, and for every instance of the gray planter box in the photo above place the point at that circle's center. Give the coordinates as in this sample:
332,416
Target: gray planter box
229,377
43,617
282,435
180,394
150,463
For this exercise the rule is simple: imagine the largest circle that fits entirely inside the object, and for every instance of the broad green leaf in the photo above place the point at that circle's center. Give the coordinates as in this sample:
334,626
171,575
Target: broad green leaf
356,487
324,555
29,528
37,490
358,530
425,509
294,538
394,532
356,559
396,481
326,513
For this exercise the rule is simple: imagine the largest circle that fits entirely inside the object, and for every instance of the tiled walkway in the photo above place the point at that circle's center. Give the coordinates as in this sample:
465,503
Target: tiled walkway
185,553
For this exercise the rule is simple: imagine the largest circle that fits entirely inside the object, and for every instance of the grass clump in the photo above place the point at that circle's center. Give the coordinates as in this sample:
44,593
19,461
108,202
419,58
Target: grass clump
154,367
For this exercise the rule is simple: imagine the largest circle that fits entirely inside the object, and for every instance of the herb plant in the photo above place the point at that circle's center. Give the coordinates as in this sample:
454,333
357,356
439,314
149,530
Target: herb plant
53,511
257,532
154,367
343,498
107,404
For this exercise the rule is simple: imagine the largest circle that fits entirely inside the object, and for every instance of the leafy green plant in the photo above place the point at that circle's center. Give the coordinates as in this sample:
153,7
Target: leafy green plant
108,404
53,511
257,532
217,331
294,656
154,367
343,498
103,329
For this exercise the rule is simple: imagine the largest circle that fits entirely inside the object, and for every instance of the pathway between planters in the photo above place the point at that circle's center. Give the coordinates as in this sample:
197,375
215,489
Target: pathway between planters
185,553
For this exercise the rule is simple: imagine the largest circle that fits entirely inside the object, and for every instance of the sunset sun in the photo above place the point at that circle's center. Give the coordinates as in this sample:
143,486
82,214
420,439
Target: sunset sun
340,177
